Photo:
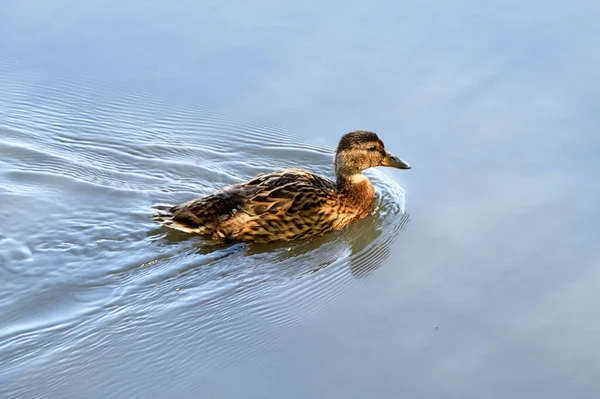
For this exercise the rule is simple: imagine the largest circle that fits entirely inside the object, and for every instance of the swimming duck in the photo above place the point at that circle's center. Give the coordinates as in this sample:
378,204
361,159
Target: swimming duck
289,204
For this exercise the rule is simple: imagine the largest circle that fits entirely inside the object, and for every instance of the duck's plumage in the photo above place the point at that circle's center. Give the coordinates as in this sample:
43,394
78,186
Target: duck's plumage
284,205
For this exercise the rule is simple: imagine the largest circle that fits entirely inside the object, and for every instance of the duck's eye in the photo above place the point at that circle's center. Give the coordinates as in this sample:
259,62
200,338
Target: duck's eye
373,148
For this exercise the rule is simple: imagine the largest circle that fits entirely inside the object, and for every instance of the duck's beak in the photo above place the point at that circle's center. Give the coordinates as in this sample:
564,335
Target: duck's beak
394,162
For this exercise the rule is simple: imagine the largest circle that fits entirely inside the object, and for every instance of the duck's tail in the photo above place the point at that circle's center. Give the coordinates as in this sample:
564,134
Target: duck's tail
165,215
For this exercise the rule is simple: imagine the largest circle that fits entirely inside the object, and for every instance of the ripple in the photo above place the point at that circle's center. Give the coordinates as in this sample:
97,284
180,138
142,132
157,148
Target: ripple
88,271
12,250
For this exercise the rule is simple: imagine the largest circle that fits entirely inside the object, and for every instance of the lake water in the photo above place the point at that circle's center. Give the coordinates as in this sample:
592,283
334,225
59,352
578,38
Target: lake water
477,276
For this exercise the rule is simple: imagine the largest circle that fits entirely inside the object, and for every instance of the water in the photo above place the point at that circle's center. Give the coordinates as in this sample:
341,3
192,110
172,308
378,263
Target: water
476,276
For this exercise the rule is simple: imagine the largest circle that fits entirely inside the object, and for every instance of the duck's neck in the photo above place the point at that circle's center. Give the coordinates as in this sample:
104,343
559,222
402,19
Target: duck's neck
359,191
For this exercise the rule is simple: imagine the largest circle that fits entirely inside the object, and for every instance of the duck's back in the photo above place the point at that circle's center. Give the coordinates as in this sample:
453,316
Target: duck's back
284,205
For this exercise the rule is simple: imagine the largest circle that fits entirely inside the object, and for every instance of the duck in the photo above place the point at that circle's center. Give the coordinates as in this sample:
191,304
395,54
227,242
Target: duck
288,204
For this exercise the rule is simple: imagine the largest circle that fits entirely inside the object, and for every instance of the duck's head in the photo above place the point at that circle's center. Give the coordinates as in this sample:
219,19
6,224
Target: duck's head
360,150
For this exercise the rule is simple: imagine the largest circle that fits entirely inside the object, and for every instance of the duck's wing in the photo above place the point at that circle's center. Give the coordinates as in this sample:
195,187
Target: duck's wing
284,205
290,191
